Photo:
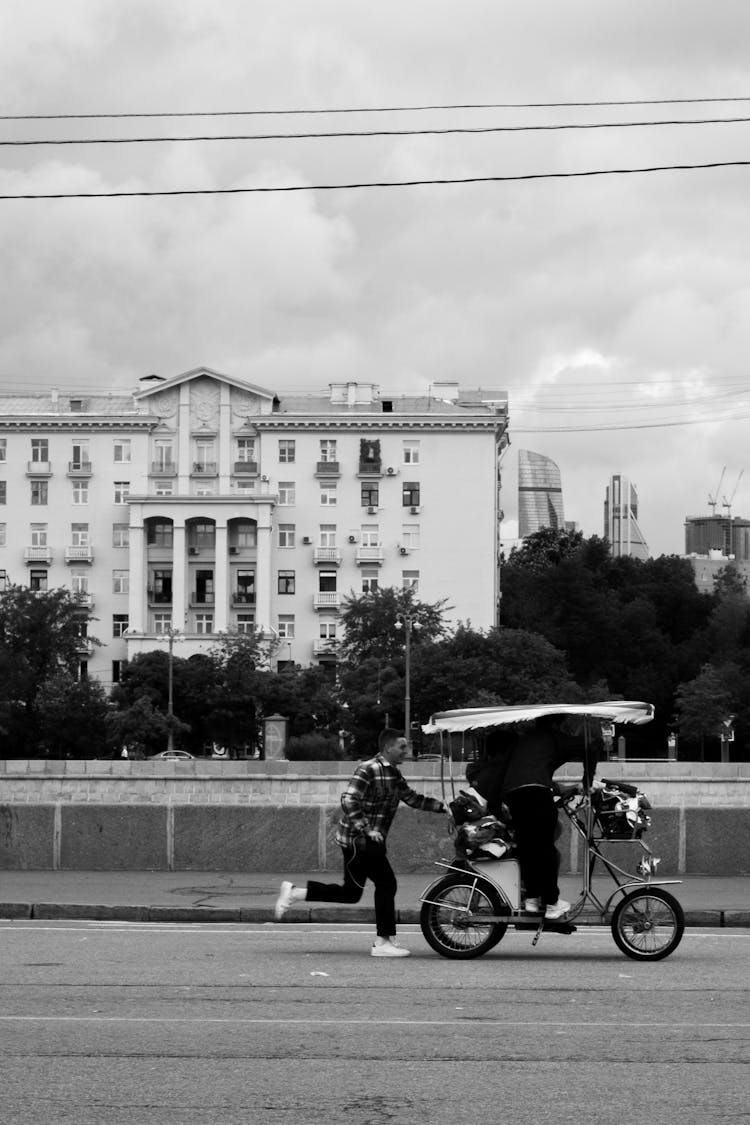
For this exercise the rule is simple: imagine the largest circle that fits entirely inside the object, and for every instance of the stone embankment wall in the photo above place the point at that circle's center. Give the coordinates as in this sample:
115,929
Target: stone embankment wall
281,816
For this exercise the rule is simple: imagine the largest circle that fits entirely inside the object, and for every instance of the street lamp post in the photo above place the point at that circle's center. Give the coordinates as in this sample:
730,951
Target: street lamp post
171,633
407,623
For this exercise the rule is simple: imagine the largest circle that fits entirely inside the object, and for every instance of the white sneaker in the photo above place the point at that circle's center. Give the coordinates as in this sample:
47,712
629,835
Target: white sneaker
388,949
533,905
557,909
284,901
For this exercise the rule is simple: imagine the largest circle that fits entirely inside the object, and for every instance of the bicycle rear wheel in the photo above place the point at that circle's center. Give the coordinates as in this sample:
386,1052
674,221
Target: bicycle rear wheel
648,924
453,921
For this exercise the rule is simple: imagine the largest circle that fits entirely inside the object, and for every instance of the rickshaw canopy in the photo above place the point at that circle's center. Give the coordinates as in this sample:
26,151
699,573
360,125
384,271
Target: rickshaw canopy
632,712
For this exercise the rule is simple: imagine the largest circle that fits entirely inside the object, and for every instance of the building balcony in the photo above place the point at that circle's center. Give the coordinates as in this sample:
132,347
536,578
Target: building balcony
327,599
84,598
243,597
246,468
326,649
371,468
204,469
38,555
38,468
163,469
369,555
159,597
84,647
80,468
79,554
327,469
331,555
199,598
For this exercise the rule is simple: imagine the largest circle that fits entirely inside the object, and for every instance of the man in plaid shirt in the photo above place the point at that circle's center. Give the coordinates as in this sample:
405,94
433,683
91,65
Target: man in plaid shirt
368,805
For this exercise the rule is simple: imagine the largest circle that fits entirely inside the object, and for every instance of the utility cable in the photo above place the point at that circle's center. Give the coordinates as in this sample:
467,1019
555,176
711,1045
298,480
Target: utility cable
527,176
368,109
343,134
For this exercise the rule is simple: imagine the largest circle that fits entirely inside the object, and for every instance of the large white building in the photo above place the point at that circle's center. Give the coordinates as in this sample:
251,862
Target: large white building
203,504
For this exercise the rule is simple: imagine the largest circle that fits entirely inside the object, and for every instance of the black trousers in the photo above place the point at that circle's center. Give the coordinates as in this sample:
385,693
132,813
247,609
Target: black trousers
534,816
360,864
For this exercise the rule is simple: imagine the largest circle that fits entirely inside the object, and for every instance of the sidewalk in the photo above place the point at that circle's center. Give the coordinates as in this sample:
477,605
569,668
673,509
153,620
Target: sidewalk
219,896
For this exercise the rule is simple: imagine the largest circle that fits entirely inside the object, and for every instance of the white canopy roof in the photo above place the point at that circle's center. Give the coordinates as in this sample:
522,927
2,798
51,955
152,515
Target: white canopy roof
477,718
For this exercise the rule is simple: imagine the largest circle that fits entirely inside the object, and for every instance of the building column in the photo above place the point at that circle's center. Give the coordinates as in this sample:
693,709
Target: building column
137,564
179,574
263,570
221,578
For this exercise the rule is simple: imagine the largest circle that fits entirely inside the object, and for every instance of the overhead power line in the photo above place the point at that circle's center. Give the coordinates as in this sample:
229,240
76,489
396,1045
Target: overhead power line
526,176
353,133
367,109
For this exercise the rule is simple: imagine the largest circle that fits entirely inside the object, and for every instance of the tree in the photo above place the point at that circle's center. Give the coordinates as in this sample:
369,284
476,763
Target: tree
40,636
142,729
72,717
370,623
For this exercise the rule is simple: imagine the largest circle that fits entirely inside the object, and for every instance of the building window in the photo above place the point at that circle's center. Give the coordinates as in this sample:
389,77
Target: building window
242,485
204,623
160,533
3,491
370,535
122,451
285,626
119,624
245,622
83,670
120,535
38,534
80,492
327,582
164,488
287,451
245,449
328,535
410,580
245,534
161,590
410,536
411,452
39,492
3,581
79,535
2,534
410,494
204,587
369,581
39,449
117,667
122,491
245,588
81,458
328,450
205,490
3,449
79,581
162,623
120,581
202,534
38,580
205,460
287,493
328,494
370,494
286,581
286,534
328,630
163,454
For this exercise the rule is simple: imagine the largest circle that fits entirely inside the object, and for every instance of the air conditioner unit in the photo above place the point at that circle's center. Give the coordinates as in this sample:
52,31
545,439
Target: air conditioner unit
403,551
352,538
306,540
264,478
234,550
391,471
192,550
372,511
414,510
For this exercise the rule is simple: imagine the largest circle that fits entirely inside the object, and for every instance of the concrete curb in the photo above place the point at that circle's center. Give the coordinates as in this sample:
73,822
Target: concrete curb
75,912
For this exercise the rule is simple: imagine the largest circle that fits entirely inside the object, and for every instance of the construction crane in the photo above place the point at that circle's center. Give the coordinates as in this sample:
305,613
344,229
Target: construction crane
728,503
712,500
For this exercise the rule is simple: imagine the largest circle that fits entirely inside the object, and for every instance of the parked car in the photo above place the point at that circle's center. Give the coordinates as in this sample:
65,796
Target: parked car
173,756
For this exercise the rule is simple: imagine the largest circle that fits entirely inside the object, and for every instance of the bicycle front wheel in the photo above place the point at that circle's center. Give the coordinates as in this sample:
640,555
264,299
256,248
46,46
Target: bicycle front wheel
456,921
648,924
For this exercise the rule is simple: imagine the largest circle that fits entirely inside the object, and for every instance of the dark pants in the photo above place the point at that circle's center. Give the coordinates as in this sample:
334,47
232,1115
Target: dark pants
369,862
534,816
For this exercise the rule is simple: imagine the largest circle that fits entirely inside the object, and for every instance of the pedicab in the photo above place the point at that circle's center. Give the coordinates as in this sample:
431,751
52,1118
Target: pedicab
468,909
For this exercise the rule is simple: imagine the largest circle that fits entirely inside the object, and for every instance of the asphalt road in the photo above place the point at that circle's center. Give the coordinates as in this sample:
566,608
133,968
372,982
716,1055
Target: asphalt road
110,1022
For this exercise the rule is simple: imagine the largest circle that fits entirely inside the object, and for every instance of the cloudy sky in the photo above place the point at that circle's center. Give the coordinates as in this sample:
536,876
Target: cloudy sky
615,309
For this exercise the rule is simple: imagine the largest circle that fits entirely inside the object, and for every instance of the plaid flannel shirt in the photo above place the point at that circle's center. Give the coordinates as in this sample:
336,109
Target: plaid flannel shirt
372,797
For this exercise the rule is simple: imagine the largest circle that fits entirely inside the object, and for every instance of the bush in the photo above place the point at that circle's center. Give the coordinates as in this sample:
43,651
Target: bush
314,748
